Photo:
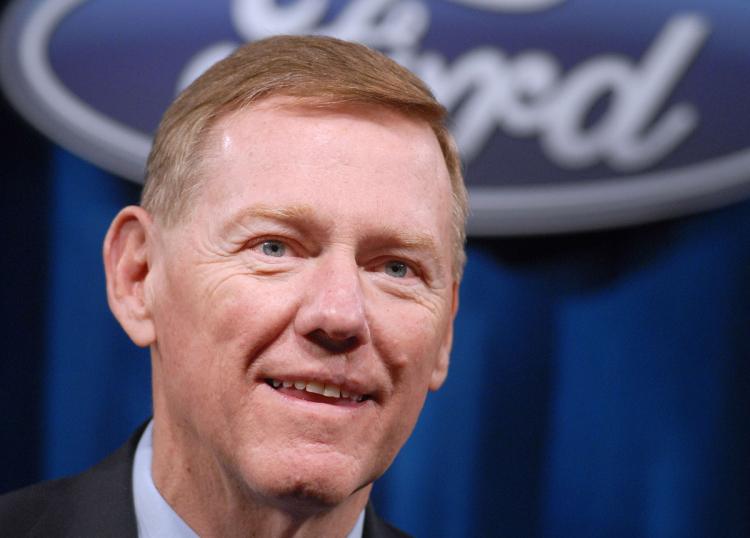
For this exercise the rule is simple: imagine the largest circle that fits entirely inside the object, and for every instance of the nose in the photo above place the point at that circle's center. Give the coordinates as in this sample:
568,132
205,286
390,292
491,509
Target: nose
332,314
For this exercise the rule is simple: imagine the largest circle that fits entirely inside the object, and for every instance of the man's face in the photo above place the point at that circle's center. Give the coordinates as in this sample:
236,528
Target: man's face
317,258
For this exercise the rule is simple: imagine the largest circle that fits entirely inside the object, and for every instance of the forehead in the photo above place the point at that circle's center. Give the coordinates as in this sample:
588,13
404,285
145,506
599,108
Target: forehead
347,162
284,132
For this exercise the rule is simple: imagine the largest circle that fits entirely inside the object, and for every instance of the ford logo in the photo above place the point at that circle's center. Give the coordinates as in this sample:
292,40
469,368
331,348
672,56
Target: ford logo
570,115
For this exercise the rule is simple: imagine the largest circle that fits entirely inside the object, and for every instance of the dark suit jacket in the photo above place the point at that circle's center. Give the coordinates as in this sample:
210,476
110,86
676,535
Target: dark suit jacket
99,503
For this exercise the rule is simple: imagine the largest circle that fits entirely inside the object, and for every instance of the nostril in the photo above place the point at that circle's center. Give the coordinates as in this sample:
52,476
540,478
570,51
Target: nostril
332,344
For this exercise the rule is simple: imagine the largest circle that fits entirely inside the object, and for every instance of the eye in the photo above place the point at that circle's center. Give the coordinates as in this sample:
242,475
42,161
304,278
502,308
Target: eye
273,248
396,269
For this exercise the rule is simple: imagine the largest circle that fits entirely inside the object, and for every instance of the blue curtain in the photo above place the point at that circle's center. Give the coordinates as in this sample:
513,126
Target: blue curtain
599,384
96,381
599,387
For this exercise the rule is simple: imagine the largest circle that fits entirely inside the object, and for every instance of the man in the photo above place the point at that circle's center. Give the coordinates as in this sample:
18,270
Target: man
294,269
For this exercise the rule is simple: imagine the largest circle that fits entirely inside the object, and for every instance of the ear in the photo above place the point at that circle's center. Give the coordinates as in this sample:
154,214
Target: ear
440,372
126,264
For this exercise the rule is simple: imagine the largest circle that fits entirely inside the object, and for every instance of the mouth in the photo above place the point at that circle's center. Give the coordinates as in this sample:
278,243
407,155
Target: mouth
315,391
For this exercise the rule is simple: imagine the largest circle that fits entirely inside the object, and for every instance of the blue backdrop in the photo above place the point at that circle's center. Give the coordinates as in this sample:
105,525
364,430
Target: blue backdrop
599,383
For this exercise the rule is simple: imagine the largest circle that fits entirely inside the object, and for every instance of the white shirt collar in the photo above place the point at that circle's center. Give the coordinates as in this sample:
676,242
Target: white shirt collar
154,516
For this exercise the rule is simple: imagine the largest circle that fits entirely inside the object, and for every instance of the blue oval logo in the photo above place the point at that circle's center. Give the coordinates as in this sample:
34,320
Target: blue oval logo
570,115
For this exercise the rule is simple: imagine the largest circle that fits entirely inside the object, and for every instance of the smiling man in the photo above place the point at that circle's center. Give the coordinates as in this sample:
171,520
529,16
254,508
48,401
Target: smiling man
294,269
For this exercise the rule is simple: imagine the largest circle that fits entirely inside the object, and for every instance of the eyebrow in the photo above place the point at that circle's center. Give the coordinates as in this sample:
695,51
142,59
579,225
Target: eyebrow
294,215
409,239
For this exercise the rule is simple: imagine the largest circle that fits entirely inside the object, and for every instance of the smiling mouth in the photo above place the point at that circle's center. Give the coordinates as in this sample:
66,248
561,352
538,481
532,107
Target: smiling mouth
316,392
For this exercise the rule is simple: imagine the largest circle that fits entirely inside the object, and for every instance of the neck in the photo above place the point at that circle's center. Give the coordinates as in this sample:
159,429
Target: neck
215,502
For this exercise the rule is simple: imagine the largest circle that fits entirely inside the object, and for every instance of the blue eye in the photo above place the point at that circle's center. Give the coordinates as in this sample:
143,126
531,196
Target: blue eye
396,269
273,248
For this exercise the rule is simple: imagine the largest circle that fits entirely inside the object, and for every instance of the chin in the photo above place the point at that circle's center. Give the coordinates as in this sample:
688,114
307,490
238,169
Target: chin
310,484
314,496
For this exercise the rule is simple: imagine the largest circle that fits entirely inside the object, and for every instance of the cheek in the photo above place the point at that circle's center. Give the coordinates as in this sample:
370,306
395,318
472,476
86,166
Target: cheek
404,409
408,337
243,312
409,346
209,334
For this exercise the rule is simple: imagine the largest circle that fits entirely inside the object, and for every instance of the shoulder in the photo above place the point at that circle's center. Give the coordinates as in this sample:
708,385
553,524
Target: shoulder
375,527
97,502
20,510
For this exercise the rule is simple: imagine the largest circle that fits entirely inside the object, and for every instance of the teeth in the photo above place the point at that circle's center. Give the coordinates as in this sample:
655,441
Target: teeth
330,391
315,388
